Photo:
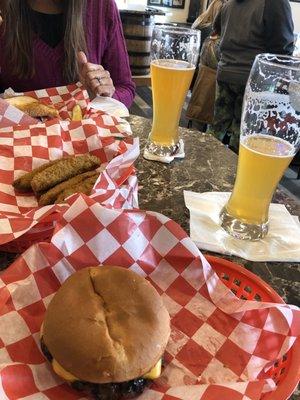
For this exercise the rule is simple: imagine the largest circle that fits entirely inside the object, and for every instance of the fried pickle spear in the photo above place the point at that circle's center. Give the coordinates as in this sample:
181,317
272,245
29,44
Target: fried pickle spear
84,186
23,184
63,170
51,195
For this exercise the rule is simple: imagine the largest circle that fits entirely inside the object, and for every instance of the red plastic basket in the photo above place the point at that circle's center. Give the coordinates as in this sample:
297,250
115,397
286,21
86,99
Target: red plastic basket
23,242
246,285
42,232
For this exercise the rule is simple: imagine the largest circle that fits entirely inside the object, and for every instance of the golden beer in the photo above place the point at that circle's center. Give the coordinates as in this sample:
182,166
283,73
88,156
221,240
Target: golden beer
262,162
170,80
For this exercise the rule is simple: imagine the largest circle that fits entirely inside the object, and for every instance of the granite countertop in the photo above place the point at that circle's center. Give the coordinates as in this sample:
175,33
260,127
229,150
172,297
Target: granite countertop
208,166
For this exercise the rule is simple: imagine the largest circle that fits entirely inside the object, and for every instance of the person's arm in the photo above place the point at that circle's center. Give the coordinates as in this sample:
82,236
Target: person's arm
1,88
279,27
115,58
217,24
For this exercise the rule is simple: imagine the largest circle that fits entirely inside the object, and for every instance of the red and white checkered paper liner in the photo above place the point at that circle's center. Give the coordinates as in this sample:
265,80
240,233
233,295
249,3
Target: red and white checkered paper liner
23,148
10,115
64,98
220,346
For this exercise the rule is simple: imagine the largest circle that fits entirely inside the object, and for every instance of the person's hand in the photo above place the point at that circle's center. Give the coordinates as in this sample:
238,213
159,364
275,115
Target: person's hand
94,77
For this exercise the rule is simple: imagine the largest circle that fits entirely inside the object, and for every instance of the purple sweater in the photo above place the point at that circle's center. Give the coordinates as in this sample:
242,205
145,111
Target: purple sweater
106,46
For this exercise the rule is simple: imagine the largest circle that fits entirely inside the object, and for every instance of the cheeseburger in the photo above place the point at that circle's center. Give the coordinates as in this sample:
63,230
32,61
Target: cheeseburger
105,332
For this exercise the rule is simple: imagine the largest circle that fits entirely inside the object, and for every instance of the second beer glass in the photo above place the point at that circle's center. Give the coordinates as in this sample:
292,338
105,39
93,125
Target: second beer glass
270,137
174,54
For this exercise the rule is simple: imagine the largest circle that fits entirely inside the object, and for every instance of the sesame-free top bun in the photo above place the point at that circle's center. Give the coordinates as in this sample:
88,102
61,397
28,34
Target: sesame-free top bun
106,324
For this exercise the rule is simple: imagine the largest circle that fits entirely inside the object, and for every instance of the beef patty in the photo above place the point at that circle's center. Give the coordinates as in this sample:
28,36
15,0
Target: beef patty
106,391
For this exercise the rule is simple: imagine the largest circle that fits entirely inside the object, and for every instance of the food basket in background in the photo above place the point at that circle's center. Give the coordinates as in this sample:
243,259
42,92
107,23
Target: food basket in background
248,286
24,146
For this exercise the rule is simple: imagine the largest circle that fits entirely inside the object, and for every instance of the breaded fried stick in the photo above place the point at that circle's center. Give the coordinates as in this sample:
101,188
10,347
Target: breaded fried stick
50,196
63,170
84,186
23,184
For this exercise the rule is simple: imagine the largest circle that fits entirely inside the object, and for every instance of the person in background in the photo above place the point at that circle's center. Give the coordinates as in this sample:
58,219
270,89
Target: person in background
248,28
201,107
46,43
205,21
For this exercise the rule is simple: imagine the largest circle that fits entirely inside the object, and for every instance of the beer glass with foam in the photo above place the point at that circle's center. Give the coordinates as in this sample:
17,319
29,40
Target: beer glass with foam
270,137
174,54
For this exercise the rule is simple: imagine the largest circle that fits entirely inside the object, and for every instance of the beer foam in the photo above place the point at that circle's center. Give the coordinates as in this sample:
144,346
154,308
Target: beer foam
270,113
270,146
173,64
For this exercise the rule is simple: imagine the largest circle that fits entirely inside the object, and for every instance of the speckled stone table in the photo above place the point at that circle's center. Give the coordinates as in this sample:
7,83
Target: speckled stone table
208,166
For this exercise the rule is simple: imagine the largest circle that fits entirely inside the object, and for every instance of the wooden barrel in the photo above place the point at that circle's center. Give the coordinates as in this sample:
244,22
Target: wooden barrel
138,28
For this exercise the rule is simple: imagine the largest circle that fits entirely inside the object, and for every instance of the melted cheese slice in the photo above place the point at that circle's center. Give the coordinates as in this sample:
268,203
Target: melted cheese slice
155,371
67,376
60,371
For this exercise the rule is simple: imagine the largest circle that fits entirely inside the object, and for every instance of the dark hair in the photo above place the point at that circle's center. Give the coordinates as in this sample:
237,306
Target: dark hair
16,29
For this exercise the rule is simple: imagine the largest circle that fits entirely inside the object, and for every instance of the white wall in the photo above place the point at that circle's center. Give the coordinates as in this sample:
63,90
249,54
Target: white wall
175,15
172,14
296,16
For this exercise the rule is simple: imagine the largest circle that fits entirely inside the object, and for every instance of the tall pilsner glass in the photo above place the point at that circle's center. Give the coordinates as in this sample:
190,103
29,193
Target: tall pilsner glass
174,54
270,137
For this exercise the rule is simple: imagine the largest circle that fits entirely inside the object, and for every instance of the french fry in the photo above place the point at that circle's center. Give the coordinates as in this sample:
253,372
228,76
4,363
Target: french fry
76,113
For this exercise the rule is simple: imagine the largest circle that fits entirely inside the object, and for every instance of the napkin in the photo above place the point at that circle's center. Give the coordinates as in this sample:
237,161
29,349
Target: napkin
110,106
221,347
282,242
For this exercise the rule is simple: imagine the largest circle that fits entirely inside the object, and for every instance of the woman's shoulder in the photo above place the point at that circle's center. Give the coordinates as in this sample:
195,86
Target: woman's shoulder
1,40
104,8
